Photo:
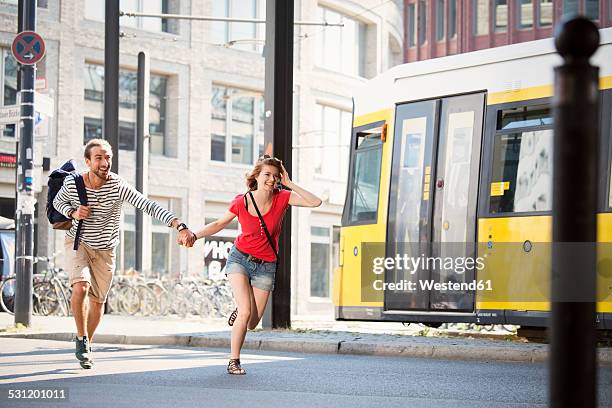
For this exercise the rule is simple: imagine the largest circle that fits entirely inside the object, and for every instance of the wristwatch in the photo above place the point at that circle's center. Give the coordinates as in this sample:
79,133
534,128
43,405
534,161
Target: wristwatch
71,213
181,227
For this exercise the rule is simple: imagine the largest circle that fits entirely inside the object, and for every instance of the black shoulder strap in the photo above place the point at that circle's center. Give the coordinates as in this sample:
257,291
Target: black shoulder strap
80,186
263,224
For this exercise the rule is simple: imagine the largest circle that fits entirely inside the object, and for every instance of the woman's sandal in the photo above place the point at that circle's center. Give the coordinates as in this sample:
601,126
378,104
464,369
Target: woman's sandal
232,317
234,368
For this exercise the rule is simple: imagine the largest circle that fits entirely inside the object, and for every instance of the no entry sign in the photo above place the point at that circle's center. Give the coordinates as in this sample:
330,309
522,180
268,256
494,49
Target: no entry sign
28,47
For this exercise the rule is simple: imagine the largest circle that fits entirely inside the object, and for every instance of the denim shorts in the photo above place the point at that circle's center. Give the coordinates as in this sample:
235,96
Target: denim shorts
261,276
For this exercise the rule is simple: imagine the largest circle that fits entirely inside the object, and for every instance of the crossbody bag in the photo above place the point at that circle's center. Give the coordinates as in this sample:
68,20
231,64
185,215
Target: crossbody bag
263,224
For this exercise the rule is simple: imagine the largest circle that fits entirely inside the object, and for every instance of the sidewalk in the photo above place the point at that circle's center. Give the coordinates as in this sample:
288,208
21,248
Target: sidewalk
306,336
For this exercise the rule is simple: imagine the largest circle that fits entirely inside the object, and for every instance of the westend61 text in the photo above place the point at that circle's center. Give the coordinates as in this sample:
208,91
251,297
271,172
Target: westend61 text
409,286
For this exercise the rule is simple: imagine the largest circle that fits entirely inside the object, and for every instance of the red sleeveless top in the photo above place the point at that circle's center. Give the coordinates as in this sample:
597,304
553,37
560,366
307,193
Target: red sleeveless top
252,240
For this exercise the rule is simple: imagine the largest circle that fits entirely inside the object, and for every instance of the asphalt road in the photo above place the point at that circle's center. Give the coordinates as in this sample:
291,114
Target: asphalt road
146,377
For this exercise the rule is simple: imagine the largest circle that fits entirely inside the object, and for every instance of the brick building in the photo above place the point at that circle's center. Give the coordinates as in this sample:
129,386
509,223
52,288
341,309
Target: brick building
435,28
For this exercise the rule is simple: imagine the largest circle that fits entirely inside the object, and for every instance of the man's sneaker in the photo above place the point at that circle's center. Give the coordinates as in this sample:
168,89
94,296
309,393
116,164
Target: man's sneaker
83,352
86,364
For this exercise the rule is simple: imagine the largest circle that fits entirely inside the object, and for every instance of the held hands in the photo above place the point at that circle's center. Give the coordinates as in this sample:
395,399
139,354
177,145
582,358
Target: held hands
186,238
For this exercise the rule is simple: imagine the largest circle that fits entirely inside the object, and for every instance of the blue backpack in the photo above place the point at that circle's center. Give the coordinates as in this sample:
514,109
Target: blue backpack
55,183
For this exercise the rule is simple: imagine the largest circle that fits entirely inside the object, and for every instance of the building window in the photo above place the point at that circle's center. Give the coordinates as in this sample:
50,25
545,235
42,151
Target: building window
411,25
440,23
501,16
324,251
570,7
161,239
525,14
95,10
242,36
239,114
319,262
452,18
481,17
157,113
126,251
93,128
94,108
545,13
162,245
341,49
591,9
330,142
243,121
7,207
422,26
39,3
8,78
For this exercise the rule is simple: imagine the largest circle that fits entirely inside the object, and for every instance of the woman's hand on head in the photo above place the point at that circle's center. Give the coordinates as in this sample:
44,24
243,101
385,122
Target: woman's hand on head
285,181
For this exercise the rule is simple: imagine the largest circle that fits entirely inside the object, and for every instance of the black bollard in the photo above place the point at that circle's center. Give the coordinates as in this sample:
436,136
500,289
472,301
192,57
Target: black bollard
573,365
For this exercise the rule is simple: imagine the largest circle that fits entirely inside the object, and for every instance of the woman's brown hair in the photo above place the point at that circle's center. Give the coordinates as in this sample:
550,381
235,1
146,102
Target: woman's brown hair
265,160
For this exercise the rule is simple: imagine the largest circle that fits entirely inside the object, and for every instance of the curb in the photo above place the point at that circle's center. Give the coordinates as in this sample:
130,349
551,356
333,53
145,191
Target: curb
528,354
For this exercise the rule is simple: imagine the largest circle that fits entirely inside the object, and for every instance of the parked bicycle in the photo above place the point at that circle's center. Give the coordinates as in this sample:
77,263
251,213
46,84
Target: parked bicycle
50,290
132,294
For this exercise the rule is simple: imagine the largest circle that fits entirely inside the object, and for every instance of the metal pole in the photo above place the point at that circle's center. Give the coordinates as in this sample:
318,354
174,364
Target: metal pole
278,132
26,200
111,79
20,25
573,365
142,148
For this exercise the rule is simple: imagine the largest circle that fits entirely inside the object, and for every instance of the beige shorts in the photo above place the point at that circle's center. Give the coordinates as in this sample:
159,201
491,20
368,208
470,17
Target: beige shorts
94,266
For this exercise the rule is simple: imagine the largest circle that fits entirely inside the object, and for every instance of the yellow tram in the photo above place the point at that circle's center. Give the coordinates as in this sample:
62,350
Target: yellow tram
453,156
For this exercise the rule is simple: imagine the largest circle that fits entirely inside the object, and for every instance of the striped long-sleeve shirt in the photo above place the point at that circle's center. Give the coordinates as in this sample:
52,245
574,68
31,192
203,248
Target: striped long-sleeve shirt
101,229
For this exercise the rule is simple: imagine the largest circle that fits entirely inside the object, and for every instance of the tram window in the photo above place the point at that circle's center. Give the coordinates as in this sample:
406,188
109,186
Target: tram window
524,116
366,177
521,178
366,139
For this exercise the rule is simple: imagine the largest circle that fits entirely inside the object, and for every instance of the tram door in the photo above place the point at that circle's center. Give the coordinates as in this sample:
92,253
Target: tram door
432,203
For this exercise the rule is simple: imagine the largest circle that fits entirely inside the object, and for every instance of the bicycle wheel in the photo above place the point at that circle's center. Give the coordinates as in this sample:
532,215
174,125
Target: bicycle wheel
112,299
46,300
148,306
7,295
129,299
64,302
224,300
162,297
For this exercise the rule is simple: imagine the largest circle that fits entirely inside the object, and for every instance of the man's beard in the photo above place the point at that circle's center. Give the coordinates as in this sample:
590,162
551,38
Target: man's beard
101,174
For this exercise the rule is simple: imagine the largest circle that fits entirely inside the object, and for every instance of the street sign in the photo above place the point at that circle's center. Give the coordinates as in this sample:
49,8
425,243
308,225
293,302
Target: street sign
40,83
44,104
28,47
10,114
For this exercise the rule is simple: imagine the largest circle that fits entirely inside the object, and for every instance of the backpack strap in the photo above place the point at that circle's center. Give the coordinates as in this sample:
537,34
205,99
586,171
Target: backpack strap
80,186
263,224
